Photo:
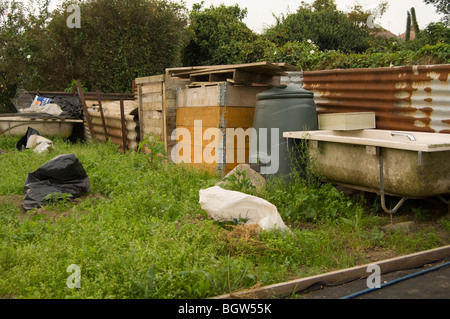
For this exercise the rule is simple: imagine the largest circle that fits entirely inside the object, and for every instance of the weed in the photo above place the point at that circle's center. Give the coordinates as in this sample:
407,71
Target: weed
140,235
53,198
155,147
240,182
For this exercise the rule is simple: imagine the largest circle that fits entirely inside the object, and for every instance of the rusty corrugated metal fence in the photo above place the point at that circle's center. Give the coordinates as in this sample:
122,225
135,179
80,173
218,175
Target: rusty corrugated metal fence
409,98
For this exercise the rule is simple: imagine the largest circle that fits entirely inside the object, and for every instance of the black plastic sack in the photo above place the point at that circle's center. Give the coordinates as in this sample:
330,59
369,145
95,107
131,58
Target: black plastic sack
22,143
63,174
71,106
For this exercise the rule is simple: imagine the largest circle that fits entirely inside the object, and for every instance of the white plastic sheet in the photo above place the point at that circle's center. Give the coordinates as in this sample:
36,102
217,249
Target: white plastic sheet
39,143
225,205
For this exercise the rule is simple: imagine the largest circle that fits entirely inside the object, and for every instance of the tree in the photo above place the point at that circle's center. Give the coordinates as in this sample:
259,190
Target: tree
408,26
414,22
21,28
119,40
328,28
320,5
411,20
361,17
217,35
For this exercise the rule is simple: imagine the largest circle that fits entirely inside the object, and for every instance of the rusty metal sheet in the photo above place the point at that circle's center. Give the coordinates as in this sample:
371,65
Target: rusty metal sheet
409,98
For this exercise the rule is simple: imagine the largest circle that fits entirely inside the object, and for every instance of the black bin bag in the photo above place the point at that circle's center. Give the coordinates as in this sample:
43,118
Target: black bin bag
63,174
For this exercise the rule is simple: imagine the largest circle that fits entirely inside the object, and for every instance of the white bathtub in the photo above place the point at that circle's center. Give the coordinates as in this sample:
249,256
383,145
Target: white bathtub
18,125
406,164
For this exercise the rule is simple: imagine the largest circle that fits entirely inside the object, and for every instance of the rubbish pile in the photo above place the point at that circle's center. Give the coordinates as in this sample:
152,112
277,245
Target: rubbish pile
64,174
51,106
34,140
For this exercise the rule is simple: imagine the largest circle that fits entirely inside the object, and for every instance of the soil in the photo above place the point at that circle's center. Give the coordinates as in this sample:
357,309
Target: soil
49,214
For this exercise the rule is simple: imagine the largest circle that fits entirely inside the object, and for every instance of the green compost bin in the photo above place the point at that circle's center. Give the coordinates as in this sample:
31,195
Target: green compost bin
280,109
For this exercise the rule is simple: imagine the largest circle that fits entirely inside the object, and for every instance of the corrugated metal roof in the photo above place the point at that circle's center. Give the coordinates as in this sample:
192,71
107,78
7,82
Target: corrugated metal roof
411,98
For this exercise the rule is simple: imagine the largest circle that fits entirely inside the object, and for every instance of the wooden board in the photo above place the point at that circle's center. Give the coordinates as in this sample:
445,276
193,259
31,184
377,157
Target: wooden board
221,94
347,121
340,276
222,117
257,67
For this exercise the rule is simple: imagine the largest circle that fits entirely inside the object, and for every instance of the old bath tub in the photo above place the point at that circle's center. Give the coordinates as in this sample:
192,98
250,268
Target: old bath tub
397,163
17,125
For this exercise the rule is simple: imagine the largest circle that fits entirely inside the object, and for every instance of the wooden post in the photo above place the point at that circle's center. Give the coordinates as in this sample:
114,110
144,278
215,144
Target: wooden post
102,115
164,114
124,129
86,113
141,113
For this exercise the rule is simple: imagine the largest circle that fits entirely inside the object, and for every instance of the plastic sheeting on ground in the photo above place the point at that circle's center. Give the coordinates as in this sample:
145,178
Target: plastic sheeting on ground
226,205
63,174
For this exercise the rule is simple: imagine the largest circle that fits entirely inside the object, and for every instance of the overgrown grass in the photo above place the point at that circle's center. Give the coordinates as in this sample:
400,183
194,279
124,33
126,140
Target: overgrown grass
141,233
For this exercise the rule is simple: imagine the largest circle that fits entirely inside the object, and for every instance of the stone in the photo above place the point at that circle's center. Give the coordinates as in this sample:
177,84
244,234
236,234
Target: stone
255,178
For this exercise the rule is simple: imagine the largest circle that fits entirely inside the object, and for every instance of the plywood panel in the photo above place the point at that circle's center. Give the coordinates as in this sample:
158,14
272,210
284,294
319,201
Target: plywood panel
220,94
210,116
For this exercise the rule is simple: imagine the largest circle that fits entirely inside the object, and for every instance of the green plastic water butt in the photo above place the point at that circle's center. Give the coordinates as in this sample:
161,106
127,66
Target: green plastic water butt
280,109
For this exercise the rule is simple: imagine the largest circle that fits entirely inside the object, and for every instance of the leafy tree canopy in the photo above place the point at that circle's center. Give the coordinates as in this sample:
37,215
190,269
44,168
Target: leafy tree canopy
216,35
322,23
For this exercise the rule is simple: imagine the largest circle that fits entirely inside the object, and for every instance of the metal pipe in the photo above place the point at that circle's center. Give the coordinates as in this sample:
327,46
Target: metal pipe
423,272
445,201
383,197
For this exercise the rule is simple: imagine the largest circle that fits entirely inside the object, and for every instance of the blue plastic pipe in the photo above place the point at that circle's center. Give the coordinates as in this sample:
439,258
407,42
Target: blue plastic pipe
359,293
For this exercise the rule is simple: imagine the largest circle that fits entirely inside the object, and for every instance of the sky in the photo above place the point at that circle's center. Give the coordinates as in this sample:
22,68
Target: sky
260,12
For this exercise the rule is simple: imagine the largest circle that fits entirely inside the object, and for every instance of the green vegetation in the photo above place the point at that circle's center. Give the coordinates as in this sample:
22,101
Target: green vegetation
141,233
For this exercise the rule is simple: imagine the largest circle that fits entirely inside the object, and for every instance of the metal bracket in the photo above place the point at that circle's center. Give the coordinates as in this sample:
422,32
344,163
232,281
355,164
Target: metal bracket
223,93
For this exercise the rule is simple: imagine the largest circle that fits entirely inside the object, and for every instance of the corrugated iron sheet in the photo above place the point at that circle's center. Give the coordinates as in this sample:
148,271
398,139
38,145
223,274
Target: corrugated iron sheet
409,98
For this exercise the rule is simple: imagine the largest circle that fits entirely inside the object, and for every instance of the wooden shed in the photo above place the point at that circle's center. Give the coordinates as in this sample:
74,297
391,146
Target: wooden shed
214,112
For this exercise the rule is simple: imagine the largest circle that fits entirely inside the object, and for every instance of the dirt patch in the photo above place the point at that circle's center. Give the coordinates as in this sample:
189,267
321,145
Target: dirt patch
17,200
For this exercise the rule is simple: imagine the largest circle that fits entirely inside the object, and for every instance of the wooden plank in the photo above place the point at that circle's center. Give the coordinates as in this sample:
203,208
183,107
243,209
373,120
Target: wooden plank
171,103
208,96
197,97
343,275
152,124
86,112
140,112
237,117
249,78
210,116
199,140
152,106
150,88
124,128
156,115
153,97
213,76
101,113
224,117
164,116
263,67
243,96
150,79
